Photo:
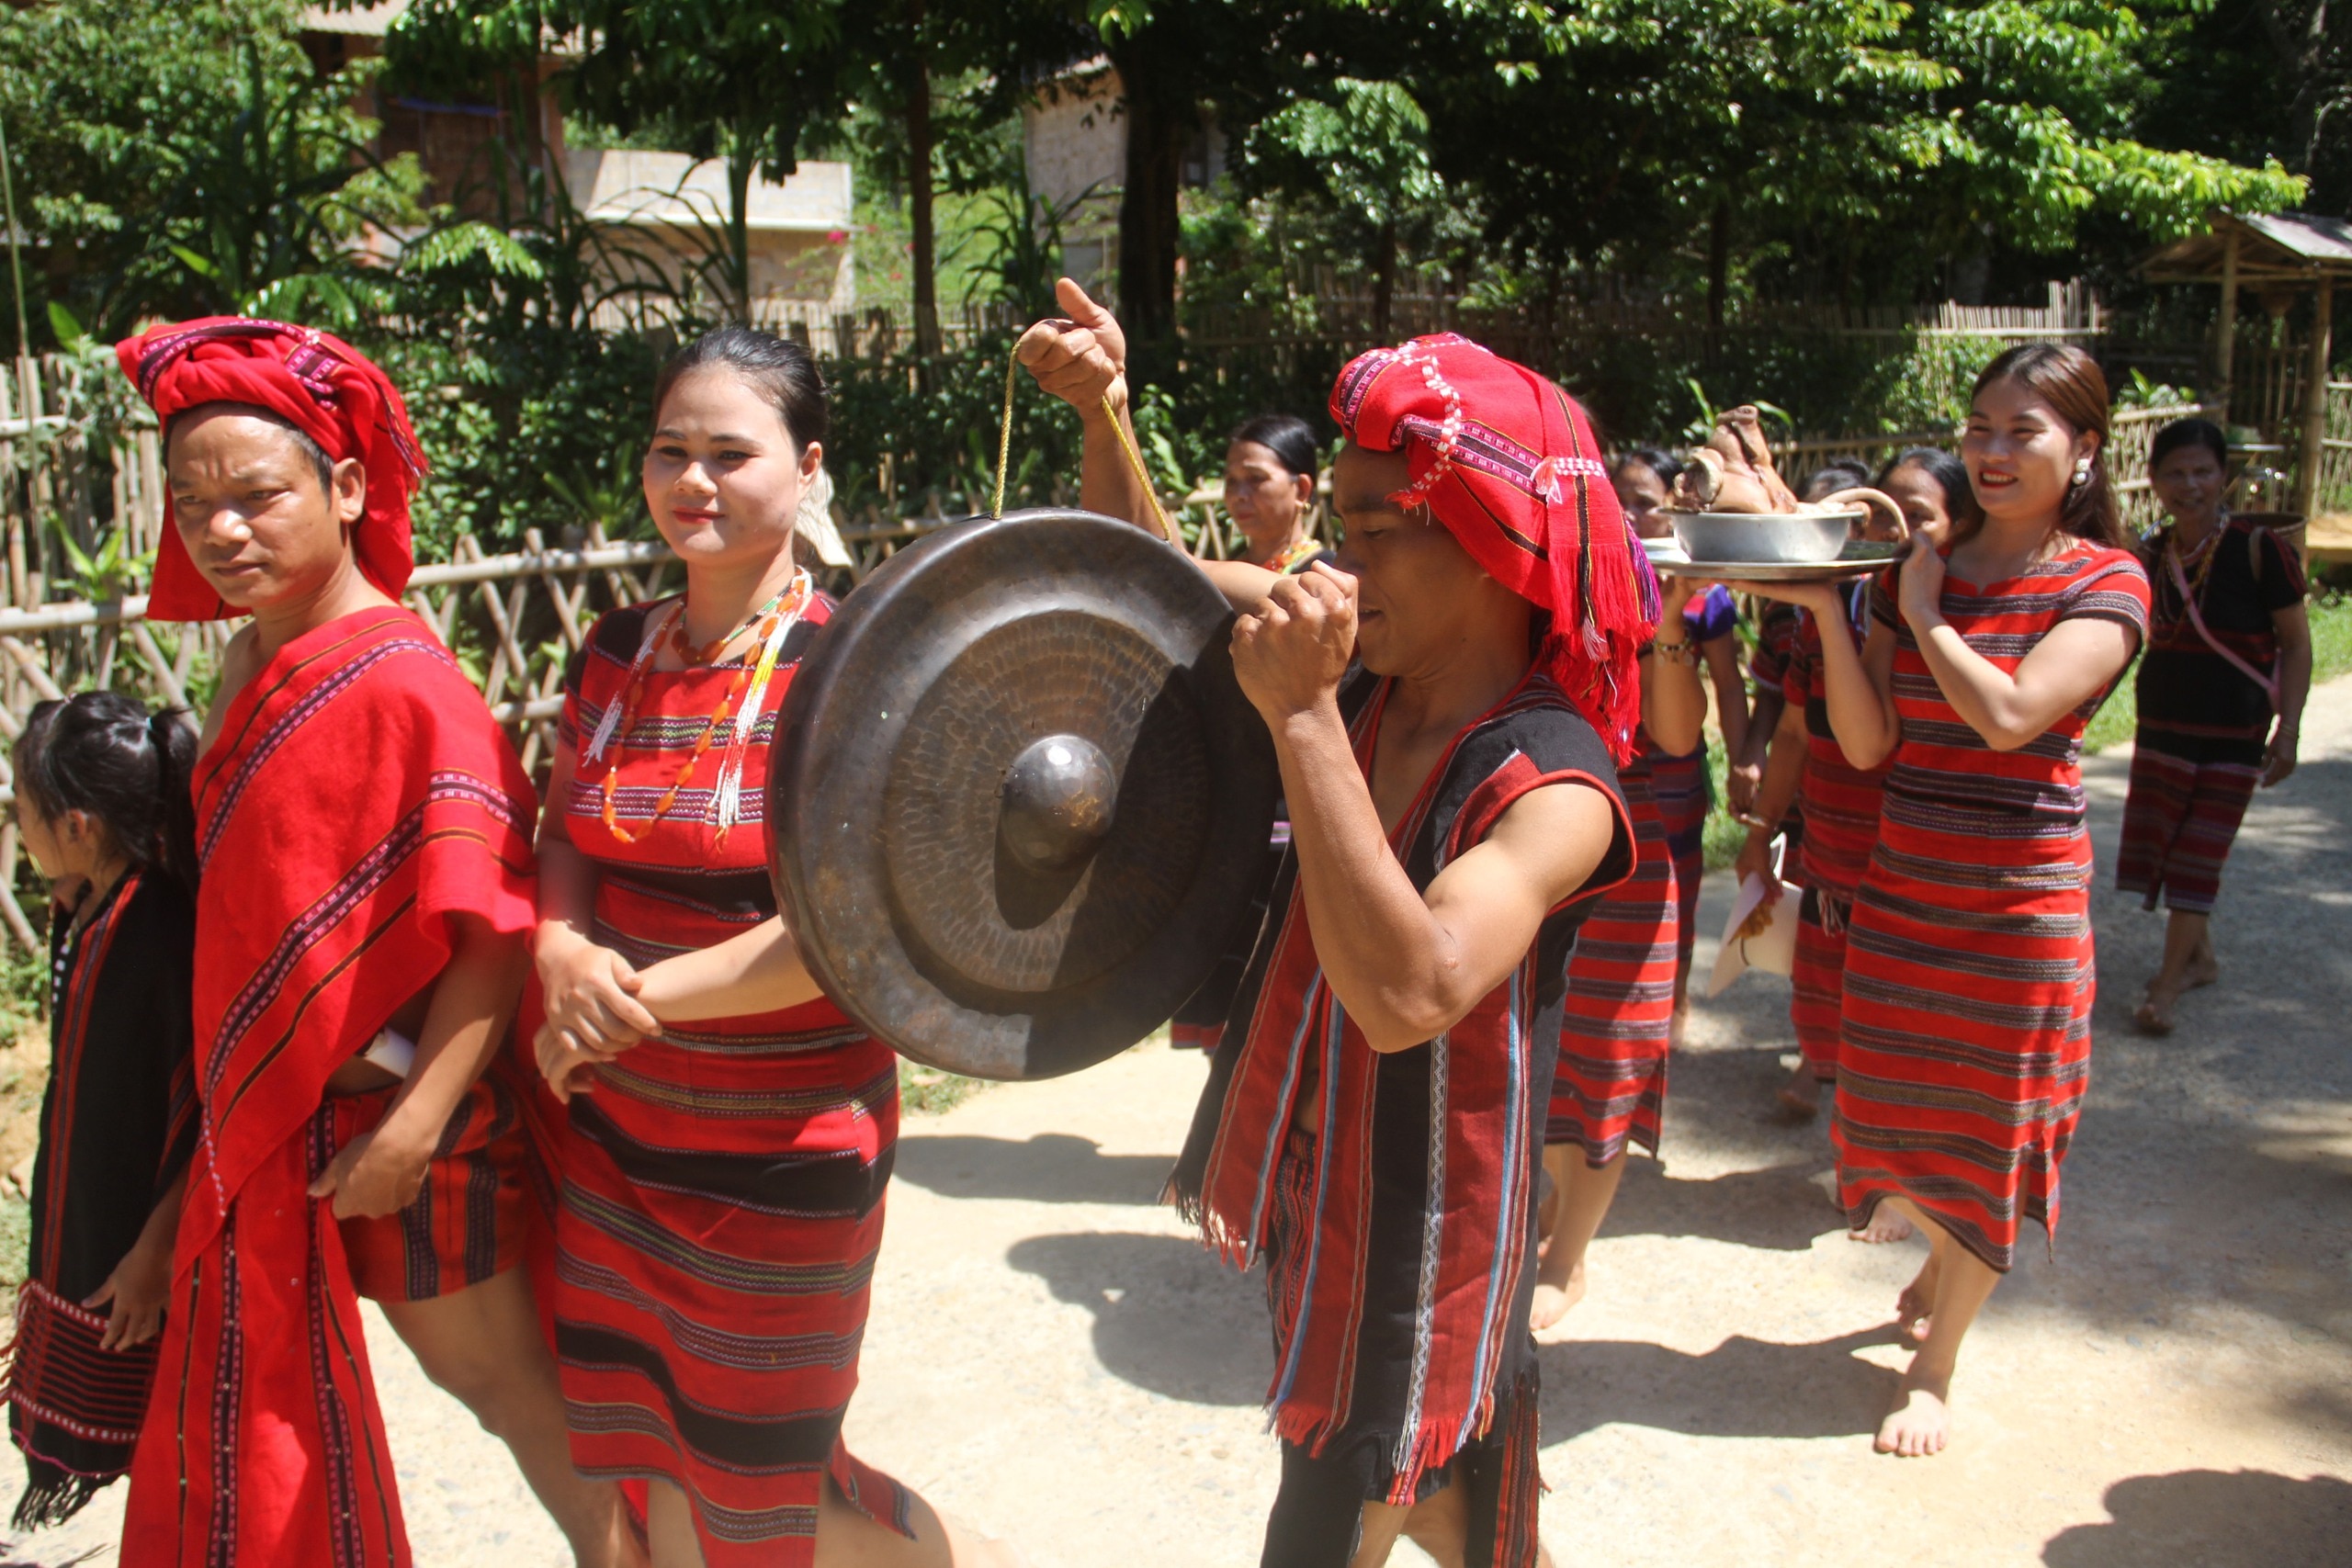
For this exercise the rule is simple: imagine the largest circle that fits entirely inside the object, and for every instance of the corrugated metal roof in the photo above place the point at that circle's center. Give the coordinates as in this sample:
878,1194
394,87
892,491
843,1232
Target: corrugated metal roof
2273,247
2307,235
367,21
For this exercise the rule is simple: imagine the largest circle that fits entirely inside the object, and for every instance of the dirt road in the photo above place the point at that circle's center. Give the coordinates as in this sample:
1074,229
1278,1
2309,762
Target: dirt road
1051,1356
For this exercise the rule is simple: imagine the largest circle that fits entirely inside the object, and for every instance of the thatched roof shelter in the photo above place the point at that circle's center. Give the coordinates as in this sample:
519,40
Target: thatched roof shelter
2271,252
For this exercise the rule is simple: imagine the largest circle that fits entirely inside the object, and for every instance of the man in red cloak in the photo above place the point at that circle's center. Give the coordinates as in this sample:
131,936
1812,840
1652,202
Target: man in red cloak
364,834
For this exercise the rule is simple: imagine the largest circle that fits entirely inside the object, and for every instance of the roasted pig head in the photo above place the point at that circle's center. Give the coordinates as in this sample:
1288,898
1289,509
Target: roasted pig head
1734,471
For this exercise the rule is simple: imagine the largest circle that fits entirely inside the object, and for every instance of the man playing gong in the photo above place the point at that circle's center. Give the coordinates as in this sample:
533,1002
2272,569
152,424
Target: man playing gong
1447,707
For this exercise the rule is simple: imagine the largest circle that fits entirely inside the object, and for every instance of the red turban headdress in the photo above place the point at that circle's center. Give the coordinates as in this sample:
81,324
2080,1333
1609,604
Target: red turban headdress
315,381
1508,462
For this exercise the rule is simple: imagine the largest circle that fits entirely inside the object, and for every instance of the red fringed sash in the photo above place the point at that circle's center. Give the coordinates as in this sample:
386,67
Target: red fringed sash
359,794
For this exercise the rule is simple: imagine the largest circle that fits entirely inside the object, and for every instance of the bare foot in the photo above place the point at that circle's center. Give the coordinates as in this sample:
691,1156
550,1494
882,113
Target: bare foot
2153,1015
1552,1302
1919,1425
1801,1096
2203,970
1681,1021
1917,1299
1886,1226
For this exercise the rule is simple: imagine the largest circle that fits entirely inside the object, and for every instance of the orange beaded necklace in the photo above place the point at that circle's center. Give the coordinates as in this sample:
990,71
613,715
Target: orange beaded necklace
773,620
1286,559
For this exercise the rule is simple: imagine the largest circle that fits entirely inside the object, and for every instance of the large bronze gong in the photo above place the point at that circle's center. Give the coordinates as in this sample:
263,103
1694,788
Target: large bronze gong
1018,801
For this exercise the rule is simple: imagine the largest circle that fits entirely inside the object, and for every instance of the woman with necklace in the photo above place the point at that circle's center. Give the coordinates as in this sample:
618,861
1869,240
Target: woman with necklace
1964,1045
1269,478
730,1131
2229,650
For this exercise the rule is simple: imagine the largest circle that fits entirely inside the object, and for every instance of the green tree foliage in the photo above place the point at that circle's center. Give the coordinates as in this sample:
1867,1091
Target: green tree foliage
740,83
1873,149
1364,148
179,157
935,83
1184,63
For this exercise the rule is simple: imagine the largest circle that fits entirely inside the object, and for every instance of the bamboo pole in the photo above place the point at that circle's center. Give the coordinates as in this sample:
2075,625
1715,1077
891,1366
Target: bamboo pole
2225,345
10,911
2315,400
160,666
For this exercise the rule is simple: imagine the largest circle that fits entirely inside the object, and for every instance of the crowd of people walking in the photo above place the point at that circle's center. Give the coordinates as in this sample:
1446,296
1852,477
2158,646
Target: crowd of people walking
341,1010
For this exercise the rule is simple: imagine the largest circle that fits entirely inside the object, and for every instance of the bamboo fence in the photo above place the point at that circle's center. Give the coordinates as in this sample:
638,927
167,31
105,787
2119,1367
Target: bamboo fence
90,471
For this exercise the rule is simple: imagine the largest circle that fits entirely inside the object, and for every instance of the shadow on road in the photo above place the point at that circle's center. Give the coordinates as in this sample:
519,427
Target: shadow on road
1742,1388
1051,1168
1169,1316
1780,1207
2215,1519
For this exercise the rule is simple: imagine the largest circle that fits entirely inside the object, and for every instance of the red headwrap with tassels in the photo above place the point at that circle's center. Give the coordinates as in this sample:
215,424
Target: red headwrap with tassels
328,390
1508,462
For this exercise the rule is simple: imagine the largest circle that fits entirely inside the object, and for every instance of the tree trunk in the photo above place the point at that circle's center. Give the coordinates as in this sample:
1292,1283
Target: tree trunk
1384,279
919,219
736,283
1157,130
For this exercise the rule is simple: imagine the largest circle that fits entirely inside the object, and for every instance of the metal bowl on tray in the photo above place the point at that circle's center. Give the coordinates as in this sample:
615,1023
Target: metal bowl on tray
1789,539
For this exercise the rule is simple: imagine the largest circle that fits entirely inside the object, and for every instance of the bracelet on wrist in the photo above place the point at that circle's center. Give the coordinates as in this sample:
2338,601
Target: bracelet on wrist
1684,652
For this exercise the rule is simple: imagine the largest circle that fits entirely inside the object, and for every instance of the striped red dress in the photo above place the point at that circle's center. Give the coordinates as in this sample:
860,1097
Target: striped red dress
1610,1082
1681,785
1969,970
721,1189
2203,738
1840,806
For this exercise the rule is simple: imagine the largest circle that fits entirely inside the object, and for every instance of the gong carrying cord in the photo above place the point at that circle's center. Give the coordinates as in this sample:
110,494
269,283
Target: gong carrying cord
1126,445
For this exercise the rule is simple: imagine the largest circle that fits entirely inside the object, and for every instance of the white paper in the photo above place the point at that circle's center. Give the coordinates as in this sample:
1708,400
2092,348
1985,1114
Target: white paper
1772,950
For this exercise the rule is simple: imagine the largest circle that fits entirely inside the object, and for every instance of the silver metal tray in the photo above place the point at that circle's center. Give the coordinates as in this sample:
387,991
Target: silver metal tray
1860,559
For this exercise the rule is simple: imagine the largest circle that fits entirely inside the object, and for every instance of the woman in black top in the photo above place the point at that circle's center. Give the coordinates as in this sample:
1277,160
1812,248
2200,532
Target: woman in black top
2229,651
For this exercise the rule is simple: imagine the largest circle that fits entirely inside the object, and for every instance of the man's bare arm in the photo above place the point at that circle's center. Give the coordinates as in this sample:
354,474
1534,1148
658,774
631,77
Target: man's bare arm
1406,967
1081,358
1409,966
378,1173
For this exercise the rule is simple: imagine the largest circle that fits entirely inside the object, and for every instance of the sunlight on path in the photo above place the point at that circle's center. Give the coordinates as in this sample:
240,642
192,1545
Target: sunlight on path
1053,1357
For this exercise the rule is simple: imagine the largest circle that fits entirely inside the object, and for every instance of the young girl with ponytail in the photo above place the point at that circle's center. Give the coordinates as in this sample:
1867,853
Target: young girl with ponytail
101,802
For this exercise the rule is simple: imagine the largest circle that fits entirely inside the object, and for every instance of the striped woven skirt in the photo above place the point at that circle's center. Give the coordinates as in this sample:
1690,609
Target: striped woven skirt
470,1220
1966,1043
1684,798
1818,980
2181,817
720,1214
1611,1083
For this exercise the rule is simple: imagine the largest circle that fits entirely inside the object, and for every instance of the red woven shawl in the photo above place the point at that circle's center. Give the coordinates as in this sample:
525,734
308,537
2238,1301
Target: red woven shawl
358,796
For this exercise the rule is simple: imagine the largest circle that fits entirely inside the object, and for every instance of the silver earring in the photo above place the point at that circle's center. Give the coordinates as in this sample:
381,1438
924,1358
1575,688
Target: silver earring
2082,471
